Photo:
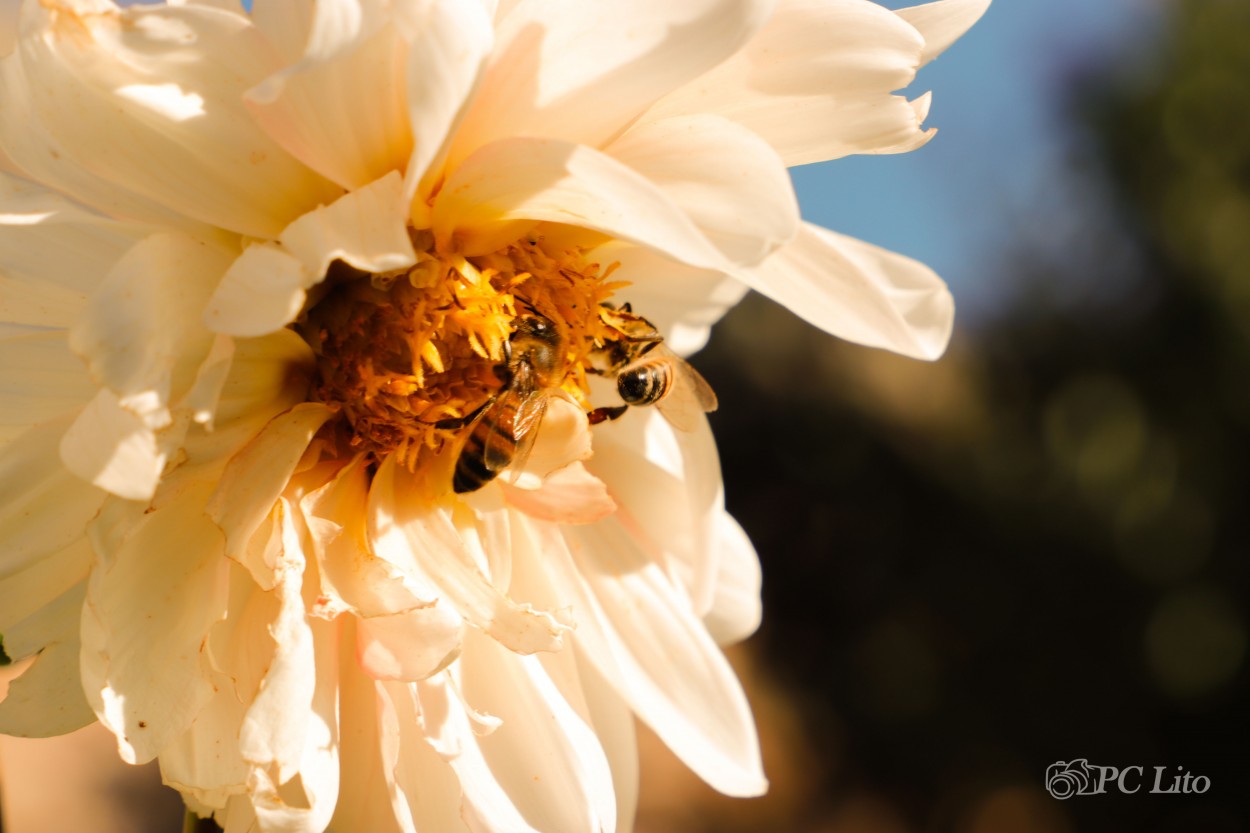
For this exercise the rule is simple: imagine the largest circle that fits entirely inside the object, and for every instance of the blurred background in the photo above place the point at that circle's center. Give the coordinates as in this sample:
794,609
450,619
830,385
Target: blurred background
1032,551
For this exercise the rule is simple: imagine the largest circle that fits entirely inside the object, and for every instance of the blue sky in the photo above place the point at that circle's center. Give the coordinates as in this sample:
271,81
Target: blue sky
994,165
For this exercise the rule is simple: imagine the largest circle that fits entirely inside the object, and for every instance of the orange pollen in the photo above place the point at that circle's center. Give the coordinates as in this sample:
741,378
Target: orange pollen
408,357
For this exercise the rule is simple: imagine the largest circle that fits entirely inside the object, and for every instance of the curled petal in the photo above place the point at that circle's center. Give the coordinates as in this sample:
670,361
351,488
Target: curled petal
859,292
352,577
265,288
261,292
365,229
267,376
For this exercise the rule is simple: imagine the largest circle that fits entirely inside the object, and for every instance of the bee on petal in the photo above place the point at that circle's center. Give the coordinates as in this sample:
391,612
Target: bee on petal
648,373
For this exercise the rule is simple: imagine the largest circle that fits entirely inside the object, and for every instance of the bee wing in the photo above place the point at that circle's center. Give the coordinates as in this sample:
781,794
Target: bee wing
689,397
528,421
505,417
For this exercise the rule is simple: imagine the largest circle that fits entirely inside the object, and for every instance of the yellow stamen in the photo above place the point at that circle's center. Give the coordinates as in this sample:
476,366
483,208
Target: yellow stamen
401,352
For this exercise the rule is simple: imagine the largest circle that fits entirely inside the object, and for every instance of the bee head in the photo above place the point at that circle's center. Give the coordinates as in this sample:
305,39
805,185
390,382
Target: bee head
536,327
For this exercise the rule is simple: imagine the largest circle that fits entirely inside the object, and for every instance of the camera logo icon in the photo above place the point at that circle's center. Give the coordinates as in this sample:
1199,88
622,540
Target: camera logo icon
1075,777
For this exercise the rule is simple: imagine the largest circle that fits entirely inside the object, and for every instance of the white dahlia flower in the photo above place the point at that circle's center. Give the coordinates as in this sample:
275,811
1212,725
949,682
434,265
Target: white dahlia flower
291,296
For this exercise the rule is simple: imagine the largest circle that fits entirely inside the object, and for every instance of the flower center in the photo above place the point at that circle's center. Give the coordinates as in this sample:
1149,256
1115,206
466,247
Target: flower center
410,358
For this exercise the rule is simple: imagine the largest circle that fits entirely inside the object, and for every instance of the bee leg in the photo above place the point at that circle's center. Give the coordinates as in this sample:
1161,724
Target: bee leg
606,413
456,423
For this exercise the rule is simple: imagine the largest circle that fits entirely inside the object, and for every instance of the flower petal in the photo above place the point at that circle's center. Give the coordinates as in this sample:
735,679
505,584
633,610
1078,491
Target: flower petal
39,379
265,288
52,253
148,683
409,646
546,758
523,179
316,112
942,23
572,495
111,447
43,507
366,228
728,180
141,334
446,57
352,577
184,141
258,474
486,807
736,610
267,377
275,728
25,592
47,700
8,25
816,82
582,71
421,539
670,496
205,763
261,292
369,799
305,802
636,627
424,780
859,292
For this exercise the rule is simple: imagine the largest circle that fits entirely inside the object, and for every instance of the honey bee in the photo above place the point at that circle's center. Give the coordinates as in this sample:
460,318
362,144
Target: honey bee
648,373
504,429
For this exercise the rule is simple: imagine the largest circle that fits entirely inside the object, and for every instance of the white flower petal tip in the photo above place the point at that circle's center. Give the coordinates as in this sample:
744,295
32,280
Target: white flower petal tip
859,292
572,495
942,23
